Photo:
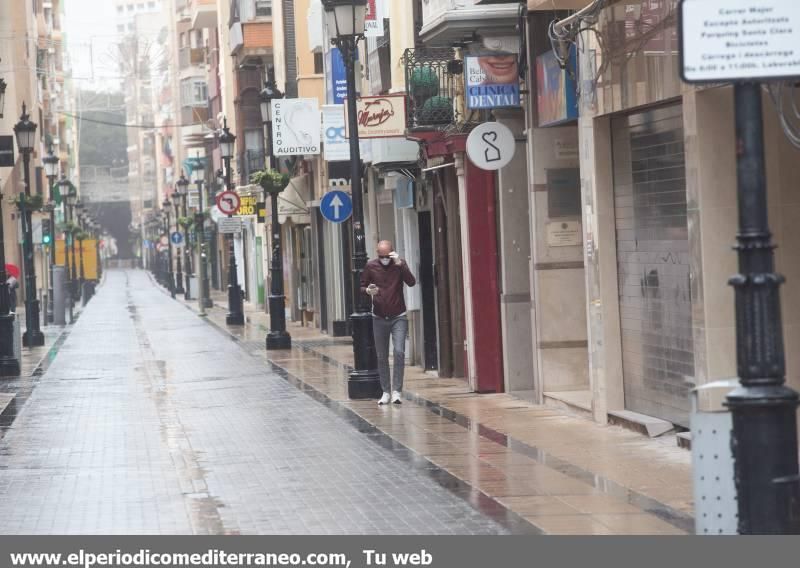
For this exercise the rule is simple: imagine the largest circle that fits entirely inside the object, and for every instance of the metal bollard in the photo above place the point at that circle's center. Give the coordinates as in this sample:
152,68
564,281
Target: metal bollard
712,460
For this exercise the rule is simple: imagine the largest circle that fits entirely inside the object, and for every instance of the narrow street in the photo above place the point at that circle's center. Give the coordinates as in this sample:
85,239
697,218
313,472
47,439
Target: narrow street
149,420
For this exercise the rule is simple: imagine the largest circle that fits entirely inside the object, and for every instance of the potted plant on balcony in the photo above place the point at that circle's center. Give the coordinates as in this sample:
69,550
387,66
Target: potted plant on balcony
271,181
31,202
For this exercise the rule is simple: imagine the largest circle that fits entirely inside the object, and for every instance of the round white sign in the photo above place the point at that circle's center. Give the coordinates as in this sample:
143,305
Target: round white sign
491,146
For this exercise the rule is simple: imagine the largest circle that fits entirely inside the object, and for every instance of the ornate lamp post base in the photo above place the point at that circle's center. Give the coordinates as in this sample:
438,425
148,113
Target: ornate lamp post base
9,364
33,337
235,314
278,340
363,381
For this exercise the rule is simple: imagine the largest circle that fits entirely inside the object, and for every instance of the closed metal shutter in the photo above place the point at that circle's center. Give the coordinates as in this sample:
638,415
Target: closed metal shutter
653,263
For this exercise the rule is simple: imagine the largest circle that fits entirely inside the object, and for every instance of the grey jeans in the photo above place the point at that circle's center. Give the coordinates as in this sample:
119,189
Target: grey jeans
397,328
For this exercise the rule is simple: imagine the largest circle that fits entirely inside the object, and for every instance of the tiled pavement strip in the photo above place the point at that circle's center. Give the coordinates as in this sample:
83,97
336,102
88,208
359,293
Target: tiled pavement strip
148,420
564,474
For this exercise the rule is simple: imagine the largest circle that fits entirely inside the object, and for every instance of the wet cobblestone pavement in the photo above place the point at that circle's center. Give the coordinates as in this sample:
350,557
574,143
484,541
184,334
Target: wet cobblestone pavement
151,421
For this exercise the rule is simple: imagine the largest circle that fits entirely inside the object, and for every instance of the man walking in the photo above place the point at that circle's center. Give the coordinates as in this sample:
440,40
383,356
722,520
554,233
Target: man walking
383,279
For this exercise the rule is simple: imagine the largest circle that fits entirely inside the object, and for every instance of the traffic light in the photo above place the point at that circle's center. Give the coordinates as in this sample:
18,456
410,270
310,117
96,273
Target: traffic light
47,232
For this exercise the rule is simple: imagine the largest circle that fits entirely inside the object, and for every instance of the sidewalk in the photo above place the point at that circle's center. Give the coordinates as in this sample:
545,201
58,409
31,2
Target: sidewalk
14,391
562,473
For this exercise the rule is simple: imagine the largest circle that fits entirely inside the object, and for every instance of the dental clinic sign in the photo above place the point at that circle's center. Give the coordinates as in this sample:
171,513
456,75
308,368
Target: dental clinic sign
739,40
492,81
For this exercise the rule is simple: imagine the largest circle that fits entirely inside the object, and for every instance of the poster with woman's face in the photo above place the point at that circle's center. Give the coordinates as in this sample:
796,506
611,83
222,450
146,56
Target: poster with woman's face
492,81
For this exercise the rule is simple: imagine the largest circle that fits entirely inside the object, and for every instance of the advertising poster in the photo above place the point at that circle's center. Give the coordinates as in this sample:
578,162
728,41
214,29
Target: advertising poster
373,23
492,81
296,127
556,95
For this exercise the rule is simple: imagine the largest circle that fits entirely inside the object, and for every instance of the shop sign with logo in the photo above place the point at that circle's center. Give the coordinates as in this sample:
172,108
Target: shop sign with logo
492,81
373,23
336,144
295,127
337,84
248,205
381,116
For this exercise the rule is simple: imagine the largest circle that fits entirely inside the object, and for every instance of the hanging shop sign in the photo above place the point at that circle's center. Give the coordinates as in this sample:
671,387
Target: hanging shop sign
336,144
248,205
381,116
337,83
296,127
556,89
261,211
373,23
739,40
491,146
492,81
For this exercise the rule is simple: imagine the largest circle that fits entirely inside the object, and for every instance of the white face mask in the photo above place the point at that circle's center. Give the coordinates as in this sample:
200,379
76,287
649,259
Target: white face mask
385,261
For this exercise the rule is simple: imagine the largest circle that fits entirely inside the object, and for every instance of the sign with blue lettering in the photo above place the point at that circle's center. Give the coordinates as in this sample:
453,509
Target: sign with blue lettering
338,77
176,238
492,81
336,206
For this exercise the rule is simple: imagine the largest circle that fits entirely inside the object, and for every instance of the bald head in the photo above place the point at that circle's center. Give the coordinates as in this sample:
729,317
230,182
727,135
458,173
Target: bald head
384,248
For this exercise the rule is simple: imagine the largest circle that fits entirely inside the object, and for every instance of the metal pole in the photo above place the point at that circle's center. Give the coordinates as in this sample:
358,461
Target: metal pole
764,410
179,276
278,337
170,273
33,337
363,381
9,364
235,314
200,231
187,255
52,250
73,281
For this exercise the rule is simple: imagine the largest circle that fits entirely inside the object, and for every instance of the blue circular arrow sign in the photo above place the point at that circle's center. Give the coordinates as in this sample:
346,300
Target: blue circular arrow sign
176,238
336,206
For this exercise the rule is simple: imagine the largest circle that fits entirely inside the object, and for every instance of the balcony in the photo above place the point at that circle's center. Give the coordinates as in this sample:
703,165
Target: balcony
445,22
551,5
251,38
191,57
203,13
432,79
194,115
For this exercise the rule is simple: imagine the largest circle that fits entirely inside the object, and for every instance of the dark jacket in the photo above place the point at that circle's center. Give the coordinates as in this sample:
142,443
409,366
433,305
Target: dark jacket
389,301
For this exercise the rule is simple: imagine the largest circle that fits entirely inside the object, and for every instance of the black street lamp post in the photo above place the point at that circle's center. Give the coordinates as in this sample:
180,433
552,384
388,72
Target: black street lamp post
235,309
176,201
68,194
72,200
170,274
200,235
764,410
345,20
51,171
26,139
278,337
183,191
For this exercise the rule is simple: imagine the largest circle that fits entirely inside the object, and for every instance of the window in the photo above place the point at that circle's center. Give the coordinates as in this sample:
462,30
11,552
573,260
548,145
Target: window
120,9
130,27
151,5
318,68
130,7
194,92
121,28
263,7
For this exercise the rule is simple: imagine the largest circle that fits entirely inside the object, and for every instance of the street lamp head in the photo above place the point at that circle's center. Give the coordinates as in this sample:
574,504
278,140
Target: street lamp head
79,206
268,94
50,164
176,196
181,185
226,141
345,18
26,132
166,204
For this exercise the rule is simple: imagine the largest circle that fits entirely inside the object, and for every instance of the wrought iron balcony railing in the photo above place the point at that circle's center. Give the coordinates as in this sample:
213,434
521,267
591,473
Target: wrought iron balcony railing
433,76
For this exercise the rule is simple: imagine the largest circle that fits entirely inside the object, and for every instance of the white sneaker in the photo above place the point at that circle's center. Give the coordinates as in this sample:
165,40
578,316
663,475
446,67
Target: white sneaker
397,398
384,399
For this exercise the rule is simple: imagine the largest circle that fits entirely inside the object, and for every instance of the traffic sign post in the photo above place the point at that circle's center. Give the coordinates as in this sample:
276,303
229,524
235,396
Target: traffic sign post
336,206
177,239
491,146
746,42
